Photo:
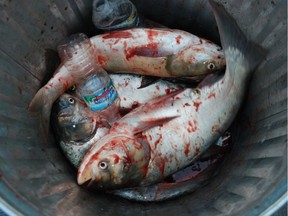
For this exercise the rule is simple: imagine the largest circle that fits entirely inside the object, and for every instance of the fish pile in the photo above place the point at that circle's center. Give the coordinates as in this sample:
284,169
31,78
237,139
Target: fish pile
163,142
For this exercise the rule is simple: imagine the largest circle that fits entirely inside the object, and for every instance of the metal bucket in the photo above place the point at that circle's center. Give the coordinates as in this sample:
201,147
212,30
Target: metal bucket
36,179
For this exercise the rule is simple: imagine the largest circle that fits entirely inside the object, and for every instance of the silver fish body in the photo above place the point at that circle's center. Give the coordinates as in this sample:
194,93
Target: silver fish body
165,135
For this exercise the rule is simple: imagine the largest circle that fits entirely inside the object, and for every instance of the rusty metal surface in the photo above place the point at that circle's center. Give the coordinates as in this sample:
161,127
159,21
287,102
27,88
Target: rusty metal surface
35,178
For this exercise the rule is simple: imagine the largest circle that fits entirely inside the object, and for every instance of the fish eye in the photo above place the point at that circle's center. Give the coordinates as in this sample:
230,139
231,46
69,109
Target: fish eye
71,100
211,66
103,165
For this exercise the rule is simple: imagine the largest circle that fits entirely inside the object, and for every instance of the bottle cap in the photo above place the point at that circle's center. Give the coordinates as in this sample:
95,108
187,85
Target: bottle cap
73,46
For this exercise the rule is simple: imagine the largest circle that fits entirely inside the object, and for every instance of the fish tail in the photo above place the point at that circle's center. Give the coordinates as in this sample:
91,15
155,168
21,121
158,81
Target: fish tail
155,112
236,46
45,123
37,102
43,101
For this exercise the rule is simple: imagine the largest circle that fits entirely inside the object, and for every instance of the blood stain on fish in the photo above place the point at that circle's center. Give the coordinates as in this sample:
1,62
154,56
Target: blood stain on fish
192,126
116,158
168,91
118,34
197,49
51,85
150,137
149,50
135,104
196,105
157,87
157,141
186,151
116,41
201,42
197,150
151,34
124,99
143,136
127,161
125,46
160,163
178,38
65,85
213,94
102,60
186,104
116,124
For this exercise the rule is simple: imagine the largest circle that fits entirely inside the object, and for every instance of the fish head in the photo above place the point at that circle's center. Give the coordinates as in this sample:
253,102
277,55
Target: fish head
197,60
211,60
72,120
122,161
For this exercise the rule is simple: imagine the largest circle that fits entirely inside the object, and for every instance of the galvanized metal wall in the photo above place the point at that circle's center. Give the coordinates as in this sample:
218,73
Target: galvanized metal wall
36,179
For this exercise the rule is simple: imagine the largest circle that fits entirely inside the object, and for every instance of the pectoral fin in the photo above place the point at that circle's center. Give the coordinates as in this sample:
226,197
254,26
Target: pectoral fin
148,65
153,113
42,102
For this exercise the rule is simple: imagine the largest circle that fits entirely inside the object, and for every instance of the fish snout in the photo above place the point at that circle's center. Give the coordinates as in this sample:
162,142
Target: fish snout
84,176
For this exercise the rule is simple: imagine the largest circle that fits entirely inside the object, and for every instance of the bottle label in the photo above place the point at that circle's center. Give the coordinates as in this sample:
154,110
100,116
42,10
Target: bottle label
102,99
132,21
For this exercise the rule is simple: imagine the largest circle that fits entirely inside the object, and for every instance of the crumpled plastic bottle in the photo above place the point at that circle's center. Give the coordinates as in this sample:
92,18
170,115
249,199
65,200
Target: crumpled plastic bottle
97,89
111,15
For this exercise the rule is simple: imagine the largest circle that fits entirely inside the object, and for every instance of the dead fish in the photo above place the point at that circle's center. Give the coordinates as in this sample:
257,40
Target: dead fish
183,181
161,137
156,52
76,128
166,190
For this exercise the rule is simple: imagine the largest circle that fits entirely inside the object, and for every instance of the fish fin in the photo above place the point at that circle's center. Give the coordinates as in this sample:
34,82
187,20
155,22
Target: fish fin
158,192
45,122
208,80
153,113
186,80
167,190
42,102
232,38
152,66
148,80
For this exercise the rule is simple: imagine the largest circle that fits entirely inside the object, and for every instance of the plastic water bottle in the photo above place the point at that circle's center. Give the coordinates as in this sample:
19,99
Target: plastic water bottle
111,15
97,89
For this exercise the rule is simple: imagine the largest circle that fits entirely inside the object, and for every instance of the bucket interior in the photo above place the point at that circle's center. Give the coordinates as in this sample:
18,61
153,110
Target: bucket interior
35,177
